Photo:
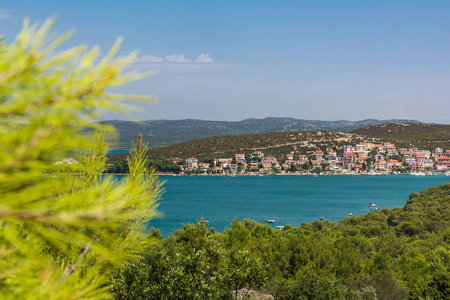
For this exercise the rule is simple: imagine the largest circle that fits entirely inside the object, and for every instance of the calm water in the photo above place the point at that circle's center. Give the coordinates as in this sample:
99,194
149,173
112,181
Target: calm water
287,199
118,151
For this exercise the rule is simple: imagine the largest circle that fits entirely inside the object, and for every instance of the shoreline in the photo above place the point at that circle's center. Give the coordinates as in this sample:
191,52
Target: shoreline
277,174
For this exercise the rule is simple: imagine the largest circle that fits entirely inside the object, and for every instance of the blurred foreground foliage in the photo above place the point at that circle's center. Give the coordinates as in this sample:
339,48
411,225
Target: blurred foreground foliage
403,253
63,228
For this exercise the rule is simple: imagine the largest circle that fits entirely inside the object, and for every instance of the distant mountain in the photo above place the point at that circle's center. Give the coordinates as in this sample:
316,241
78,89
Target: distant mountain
159,133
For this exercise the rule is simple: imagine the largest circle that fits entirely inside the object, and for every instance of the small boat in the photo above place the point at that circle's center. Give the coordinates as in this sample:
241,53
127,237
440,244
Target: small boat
281,227
373,206
350,214
418,173
270,221
322,218
260,175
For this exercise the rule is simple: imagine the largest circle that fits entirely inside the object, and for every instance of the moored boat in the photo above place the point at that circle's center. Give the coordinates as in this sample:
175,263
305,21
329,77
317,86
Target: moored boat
373,206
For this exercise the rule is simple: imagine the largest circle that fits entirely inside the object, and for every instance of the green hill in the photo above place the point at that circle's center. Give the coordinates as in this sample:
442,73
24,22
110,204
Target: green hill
276,144
423,136
402,253
159,133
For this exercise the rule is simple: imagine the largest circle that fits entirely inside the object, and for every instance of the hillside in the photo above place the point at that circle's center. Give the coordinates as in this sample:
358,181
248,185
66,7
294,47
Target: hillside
396,254
424,136
276,144
160,133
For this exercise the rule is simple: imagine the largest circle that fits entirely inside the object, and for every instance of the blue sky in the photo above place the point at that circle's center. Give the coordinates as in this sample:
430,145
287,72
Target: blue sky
231,60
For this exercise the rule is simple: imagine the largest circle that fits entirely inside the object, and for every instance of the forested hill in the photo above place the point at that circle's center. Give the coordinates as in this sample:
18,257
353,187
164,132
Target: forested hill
160,133
397,254
423,136
276,144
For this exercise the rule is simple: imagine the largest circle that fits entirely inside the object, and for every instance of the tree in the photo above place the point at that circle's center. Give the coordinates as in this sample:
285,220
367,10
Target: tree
244,271
439,287
369,163
364,166
317,170
64,227
209,160
309,286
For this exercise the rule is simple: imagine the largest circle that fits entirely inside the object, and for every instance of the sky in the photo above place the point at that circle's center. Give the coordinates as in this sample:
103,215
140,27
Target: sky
232,60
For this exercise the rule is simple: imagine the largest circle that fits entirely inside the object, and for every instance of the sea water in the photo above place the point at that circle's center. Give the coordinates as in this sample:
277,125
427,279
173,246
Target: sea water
118,151
286,199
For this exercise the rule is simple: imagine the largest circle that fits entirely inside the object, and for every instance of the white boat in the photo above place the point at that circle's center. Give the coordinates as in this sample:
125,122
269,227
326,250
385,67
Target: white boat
417,173
373,206
270,221
281,227
447,174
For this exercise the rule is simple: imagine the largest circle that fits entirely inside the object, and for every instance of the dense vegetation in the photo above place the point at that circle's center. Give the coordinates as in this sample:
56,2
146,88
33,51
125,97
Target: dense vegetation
160,164
276,144
64,229
392,254
160,133
423,136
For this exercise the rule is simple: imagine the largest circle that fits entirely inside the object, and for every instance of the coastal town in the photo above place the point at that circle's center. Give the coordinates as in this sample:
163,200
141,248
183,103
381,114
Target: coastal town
362,158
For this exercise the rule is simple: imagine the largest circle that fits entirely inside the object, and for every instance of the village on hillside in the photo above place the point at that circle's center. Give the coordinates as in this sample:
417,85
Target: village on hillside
363,158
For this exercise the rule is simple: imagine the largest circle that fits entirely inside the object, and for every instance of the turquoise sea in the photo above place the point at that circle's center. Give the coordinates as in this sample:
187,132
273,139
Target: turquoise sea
287,199
118,151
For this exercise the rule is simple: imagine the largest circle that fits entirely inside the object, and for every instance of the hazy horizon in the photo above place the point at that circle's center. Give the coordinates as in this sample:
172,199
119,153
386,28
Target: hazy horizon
269,117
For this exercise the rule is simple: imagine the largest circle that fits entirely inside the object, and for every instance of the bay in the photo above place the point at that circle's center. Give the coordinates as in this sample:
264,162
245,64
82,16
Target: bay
287,199
118,151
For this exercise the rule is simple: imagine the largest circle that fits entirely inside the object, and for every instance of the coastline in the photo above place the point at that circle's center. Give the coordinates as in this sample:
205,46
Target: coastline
276,174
